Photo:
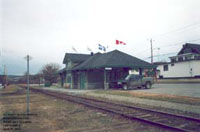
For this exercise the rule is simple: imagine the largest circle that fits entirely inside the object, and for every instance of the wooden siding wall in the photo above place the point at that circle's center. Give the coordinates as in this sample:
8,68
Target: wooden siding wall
75,77
95,79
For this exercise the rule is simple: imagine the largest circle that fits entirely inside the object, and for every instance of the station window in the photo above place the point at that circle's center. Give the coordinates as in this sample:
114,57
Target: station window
165,67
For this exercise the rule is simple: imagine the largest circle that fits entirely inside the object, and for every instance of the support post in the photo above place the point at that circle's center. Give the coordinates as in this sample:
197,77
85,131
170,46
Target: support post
27,109
105,80
140,71
151,41
86,80
27,97
72,81
5,77
28,84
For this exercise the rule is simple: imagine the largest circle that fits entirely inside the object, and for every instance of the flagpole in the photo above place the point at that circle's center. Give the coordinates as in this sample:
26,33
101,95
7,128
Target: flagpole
116,44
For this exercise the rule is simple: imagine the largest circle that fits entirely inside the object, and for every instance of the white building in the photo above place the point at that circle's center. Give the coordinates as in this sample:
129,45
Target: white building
186,64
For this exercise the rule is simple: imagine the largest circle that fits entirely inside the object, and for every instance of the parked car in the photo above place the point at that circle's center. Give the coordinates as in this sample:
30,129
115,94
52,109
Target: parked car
134,81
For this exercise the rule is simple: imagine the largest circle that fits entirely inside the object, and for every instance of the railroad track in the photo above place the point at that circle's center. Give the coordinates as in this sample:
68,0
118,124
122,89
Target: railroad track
165,120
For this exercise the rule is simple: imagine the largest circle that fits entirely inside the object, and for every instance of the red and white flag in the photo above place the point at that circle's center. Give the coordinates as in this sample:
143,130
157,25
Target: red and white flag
120,42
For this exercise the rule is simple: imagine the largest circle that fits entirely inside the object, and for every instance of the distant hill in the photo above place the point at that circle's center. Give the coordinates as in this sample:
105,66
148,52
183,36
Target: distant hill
17,66
14,76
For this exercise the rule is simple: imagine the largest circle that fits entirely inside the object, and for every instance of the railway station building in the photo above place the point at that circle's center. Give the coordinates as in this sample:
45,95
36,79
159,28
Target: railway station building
96,71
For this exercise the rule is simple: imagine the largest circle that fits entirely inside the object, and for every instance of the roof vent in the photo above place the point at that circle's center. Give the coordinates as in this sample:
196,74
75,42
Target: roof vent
92,53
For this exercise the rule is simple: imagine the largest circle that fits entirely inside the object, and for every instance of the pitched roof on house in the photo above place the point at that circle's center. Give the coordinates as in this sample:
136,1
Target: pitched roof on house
160,63
76,58
195,48
113,59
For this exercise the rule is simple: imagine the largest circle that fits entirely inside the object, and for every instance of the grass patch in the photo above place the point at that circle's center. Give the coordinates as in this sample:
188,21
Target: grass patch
55,115
9,89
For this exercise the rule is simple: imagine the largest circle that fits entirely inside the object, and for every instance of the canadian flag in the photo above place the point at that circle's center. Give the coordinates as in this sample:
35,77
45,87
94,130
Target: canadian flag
120,42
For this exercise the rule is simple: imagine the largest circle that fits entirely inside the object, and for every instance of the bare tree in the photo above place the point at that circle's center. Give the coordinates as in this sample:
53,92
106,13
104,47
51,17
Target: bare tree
49,72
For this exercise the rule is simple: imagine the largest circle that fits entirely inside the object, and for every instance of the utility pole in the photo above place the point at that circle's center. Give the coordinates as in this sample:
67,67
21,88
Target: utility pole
5,77
28,96
151,41
158,54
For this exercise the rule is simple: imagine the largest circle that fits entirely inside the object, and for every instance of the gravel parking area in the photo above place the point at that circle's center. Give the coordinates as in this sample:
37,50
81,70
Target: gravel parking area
150,102
184,89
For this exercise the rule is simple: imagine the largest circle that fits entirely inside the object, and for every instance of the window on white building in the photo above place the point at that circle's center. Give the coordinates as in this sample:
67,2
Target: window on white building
197,57
173,59
188,57
165,67
180,58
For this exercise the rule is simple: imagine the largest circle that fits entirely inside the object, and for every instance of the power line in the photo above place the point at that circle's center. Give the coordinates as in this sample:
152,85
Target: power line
180,43
142,51
161,55
194,40
168,45
160,47
182,28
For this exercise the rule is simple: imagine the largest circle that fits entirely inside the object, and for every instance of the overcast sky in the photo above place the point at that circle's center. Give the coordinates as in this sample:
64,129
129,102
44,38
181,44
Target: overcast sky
47,29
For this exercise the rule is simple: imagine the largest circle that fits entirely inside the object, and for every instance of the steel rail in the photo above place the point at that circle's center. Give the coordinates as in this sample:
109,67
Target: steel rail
138,108
83,100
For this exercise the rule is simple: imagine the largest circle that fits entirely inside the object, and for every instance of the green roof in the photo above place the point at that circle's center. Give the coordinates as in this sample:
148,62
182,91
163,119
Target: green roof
76,58
63,70
113,59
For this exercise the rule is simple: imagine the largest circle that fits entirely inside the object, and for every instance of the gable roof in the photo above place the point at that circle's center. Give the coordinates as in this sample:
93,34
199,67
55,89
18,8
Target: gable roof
194,47
160,63
63,70
76,58
113,59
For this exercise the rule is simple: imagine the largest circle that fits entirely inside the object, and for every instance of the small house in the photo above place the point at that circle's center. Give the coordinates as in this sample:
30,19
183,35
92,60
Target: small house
186,64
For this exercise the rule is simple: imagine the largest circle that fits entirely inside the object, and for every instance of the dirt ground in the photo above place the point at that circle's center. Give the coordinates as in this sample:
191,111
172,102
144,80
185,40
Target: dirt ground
53,115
